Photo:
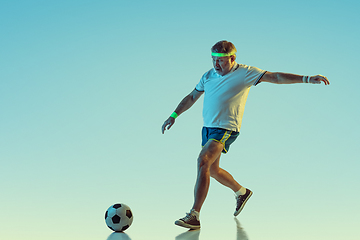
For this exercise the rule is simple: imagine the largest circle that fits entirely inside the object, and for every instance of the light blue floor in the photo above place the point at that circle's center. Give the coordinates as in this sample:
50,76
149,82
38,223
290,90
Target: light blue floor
186,235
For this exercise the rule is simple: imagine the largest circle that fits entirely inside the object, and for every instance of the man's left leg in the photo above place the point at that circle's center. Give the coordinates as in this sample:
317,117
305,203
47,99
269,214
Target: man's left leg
208,155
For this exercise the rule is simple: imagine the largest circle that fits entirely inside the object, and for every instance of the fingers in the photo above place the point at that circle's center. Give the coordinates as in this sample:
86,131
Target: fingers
325,80
164,127
320,78
167,124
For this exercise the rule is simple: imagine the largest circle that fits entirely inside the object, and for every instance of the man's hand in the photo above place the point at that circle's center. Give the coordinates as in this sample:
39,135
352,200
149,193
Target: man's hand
184,105
168,124
318,79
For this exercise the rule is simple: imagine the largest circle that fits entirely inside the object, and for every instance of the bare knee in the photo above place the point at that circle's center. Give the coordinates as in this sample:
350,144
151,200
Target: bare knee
214,171
209,155
204,163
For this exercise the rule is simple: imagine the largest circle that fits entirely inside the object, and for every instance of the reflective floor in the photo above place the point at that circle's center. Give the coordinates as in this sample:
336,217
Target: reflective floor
187,235
194,234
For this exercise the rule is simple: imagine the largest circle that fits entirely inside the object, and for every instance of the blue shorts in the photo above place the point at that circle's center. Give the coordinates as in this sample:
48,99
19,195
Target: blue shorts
226,137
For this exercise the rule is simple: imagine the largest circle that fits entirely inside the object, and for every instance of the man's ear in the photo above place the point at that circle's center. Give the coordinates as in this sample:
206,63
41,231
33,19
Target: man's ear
233,57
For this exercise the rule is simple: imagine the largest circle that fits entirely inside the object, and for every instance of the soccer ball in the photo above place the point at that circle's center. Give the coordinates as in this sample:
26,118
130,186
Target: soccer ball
118,217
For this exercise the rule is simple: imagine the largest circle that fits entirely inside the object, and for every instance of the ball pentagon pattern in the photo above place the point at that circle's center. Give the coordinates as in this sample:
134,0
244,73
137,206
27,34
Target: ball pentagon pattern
118,217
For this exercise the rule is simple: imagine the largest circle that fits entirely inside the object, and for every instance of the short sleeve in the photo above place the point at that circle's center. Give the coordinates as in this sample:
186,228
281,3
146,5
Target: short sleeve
200,86
253,75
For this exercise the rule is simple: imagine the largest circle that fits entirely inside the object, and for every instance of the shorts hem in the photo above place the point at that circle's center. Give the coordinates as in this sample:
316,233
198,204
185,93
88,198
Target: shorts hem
224,149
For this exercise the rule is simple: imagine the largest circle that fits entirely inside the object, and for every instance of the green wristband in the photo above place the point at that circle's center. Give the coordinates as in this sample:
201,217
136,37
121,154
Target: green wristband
174,115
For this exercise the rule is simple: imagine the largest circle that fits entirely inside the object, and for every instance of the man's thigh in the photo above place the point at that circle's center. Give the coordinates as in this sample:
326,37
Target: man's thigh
210,153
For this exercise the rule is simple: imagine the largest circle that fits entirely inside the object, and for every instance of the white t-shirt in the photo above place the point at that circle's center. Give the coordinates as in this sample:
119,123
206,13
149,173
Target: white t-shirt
225,96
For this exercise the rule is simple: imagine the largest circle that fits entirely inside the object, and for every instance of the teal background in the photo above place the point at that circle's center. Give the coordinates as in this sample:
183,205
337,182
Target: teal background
86,85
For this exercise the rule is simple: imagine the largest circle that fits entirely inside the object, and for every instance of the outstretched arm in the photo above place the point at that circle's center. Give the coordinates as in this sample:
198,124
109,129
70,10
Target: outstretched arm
184,105
288,78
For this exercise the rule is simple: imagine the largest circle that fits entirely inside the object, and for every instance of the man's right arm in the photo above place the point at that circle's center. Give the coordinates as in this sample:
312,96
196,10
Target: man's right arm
184,105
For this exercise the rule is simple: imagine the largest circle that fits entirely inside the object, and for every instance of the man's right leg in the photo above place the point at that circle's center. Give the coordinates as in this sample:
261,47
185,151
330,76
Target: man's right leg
223,177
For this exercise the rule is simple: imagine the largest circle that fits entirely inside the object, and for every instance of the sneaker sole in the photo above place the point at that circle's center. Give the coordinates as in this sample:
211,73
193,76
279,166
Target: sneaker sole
242,207
185,225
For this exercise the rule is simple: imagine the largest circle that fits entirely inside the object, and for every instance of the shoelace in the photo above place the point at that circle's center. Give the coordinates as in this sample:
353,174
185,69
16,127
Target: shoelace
239,200
188,217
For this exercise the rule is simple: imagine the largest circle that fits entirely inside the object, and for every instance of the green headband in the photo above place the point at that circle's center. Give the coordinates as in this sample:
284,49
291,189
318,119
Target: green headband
222,54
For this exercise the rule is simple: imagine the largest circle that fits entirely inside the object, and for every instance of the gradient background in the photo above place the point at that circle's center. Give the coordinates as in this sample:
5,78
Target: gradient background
86,85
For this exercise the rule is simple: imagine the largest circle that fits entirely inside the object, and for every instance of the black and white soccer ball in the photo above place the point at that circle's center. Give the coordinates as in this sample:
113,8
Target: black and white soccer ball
118,217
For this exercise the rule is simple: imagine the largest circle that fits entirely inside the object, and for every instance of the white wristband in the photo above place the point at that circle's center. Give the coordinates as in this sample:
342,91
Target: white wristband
306,79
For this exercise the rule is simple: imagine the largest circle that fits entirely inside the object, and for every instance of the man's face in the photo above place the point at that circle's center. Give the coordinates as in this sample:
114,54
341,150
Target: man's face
223,65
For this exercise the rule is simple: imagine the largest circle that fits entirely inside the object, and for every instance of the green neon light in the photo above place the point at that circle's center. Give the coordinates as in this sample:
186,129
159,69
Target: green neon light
222,54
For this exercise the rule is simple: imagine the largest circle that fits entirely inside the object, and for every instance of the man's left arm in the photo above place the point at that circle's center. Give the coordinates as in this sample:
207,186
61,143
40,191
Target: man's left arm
288,78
